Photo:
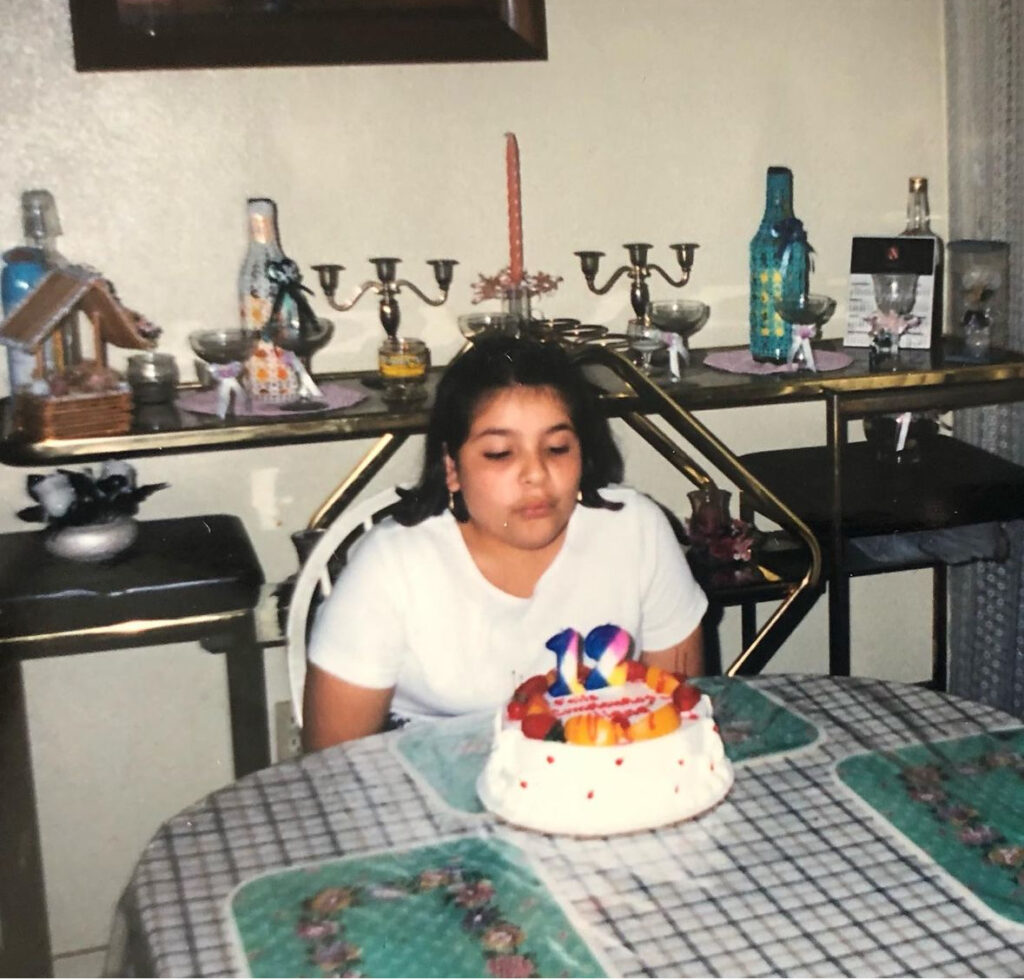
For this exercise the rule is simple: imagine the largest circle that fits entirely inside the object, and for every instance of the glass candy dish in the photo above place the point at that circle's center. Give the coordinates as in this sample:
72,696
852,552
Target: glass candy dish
808,313
473,325
223,346
304,339
681,316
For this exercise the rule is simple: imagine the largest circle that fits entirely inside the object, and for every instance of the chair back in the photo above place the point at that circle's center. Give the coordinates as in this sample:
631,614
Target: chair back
316,578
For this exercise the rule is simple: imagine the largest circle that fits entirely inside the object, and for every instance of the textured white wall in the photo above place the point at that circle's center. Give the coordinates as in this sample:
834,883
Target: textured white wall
651,120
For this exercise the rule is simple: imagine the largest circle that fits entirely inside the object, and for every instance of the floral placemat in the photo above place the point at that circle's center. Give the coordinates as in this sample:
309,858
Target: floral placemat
742,362
204,401
465,907
961,802
447,758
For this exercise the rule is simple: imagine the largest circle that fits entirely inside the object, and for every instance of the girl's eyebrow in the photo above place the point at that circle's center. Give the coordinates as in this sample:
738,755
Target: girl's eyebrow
497,431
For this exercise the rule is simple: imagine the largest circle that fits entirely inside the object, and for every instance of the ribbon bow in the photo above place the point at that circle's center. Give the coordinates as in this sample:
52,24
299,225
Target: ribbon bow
286,279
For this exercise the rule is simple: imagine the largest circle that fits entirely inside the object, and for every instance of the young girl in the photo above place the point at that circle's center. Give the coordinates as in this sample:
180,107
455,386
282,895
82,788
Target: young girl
511,536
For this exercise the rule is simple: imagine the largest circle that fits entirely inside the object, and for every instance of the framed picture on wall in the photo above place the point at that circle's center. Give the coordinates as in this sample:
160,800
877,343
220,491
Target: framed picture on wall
111,35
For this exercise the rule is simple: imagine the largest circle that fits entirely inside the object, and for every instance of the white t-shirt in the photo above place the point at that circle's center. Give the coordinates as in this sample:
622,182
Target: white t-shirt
411,610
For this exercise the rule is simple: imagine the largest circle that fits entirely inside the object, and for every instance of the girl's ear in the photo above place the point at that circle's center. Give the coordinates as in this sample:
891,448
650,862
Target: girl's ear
451,474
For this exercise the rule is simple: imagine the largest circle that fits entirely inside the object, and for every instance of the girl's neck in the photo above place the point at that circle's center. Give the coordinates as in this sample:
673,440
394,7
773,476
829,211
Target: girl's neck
513,570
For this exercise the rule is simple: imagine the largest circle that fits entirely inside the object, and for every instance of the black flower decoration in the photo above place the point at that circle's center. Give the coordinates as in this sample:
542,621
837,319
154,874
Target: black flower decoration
81,497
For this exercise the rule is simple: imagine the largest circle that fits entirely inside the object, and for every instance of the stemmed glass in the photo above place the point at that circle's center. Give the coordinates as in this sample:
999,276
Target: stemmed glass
807,314
304,340
895,295
223,354
644,338
682,317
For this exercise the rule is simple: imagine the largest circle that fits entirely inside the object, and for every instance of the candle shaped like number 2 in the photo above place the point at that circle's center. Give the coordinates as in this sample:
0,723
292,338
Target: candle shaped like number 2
609,647
515,210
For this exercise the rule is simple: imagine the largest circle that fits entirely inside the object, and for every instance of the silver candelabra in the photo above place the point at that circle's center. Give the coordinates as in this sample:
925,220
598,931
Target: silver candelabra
638,270
387,286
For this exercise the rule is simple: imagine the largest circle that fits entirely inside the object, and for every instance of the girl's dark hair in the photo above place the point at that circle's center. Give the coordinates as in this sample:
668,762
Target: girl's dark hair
491,364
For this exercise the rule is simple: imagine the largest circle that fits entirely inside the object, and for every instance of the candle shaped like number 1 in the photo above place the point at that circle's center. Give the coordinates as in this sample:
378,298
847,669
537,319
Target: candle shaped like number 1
566,647
515,210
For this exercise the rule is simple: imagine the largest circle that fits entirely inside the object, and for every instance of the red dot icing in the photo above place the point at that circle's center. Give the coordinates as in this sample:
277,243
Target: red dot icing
619,762
522,782
682,762
551,758
590,795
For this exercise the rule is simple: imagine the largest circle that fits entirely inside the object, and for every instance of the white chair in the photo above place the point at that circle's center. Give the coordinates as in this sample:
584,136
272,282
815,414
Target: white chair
337,541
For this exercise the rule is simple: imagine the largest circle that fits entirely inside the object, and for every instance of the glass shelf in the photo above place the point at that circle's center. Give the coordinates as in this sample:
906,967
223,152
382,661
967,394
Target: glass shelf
923,382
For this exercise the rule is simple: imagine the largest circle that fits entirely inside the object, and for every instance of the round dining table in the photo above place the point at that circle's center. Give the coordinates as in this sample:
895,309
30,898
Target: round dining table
876,829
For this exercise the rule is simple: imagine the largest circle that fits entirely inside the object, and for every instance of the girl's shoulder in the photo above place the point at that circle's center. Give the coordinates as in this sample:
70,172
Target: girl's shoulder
390,540
639,511
633,501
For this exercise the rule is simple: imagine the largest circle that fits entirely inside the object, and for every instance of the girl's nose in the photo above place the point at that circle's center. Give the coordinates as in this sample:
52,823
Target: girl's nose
533,468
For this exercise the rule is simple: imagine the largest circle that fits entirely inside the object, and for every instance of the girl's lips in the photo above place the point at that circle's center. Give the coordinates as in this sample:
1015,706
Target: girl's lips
533,511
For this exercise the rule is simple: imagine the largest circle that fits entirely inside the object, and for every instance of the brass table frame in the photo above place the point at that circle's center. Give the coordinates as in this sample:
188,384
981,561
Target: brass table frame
924,381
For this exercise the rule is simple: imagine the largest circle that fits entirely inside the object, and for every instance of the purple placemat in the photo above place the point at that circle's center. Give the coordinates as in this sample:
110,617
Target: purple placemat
742,362
335,396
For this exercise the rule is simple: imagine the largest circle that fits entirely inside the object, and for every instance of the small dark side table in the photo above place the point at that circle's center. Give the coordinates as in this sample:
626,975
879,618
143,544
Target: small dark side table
184,579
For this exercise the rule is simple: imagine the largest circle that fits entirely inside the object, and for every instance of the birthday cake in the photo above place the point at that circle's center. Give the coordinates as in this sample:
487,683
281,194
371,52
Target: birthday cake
605,748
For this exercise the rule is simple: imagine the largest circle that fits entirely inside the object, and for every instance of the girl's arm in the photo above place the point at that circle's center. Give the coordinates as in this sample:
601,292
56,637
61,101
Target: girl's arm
685,657
335,711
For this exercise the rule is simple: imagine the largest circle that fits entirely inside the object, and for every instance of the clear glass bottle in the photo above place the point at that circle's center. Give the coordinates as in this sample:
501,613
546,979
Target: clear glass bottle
24,266
779,256
919,225
270,374
255,292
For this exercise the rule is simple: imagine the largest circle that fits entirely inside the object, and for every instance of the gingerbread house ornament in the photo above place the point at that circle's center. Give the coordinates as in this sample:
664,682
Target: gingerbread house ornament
74,393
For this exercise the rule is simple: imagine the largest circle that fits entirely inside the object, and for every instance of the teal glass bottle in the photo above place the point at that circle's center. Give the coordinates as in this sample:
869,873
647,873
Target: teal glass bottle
779,260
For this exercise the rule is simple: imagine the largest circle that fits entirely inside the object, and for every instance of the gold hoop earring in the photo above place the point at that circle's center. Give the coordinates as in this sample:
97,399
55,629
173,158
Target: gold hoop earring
451,502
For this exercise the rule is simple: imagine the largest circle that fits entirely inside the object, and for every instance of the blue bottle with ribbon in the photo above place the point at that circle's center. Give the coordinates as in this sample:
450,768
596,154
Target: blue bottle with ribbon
779,263
24,266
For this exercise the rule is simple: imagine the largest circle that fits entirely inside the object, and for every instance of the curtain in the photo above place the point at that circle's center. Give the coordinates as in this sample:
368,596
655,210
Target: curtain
985,97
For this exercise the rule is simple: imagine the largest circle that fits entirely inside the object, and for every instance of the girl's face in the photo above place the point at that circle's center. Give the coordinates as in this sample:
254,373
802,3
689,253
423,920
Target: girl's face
519,468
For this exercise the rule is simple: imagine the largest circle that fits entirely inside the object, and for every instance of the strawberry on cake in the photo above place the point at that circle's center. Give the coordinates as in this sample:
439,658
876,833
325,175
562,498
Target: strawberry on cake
604,747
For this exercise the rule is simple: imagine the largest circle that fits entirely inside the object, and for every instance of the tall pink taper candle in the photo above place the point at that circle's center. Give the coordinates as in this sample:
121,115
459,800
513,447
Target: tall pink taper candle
515,210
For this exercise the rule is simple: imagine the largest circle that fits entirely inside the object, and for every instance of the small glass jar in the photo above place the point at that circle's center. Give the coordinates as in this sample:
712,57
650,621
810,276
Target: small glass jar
979,285
403,363
153,377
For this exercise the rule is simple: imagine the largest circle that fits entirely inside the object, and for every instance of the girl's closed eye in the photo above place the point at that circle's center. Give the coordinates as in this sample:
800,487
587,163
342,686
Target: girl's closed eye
560,449
497,454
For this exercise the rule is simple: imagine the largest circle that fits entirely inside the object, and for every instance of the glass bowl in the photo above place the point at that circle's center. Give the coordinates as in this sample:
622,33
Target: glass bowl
550,327
305,343
223,346
812,308
682,316
473,325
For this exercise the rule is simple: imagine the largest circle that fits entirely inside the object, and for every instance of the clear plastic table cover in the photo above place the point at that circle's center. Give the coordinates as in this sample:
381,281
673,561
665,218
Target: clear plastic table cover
791,874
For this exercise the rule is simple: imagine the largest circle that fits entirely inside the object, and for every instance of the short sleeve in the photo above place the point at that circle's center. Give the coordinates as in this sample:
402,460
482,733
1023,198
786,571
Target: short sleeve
673,604
358,634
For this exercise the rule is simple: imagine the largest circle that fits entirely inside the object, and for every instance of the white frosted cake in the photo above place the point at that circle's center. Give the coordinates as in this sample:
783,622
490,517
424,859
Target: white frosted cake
622,749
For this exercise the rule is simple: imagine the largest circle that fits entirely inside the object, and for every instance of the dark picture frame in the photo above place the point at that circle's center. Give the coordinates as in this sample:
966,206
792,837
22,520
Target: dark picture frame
119,35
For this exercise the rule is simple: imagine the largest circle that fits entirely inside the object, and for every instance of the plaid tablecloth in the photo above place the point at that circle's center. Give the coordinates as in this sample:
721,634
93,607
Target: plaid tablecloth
792,874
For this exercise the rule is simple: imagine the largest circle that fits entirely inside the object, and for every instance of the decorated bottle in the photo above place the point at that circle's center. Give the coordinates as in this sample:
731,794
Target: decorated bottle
779,258
270,375
919,226
24,266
